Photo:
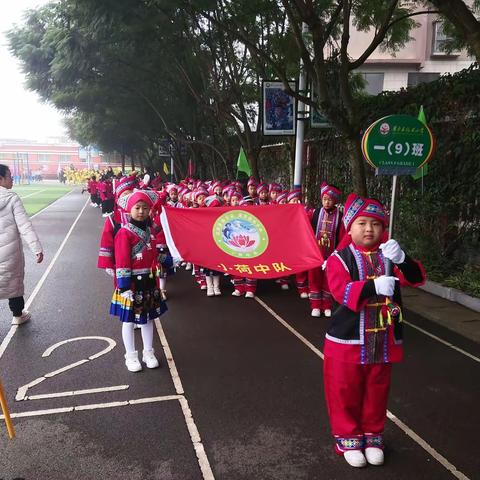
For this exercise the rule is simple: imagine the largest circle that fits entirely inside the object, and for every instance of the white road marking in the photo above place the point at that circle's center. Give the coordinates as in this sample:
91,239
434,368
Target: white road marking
22,391
49,205
168,355
34,193
192,428
416,438
93,406
448,344
40,283
87,391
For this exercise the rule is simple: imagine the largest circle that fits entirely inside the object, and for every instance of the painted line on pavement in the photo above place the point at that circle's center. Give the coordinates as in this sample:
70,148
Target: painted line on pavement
187,413
40,283
407,430
34,193
88,391
441,340
93,406
50,204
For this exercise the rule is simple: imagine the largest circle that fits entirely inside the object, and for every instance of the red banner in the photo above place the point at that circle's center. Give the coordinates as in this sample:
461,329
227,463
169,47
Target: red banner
255,242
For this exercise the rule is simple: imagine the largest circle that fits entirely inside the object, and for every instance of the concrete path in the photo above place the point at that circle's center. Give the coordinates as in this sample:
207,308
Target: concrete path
239,394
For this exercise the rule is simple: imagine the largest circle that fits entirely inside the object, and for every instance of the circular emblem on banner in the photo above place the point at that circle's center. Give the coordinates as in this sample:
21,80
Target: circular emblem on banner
240,234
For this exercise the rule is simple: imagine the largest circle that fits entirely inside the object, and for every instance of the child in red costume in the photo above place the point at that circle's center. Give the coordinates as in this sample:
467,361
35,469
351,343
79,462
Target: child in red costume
365,334
137,297
328,229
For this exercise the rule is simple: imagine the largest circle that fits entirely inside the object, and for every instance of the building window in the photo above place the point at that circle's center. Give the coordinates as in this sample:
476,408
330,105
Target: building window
65,159
43,158
440,39
373,82
415,78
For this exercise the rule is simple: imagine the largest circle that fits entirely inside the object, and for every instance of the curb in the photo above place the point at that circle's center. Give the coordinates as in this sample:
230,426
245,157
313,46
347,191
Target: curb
452,294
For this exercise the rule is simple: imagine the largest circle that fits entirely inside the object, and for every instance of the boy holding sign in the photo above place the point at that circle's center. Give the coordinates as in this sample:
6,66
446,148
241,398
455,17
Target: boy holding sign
365,334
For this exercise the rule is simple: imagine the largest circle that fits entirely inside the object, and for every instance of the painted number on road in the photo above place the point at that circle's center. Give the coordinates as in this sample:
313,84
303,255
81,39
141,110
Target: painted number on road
22,391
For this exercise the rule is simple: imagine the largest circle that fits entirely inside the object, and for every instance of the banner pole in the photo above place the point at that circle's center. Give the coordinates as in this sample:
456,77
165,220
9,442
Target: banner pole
6,413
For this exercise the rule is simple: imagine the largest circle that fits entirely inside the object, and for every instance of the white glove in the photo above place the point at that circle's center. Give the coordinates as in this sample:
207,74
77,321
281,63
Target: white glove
392,250
324,265
177,261
110,272
128,294
384,285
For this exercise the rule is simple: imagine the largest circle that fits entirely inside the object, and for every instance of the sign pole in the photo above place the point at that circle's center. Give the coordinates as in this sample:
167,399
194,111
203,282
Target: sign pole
6,413
392,205
302,85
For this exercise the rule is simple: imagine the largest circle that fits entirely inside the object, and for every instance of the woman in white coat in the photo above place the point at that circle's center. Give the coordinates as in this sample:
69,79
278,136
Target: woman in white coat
14,225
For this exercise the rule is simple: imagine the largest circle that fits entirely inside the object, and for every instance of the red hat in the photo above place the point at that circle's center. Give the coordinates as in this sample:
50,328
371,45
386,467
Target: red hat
128,201
282,196
357,206
245,201
236,194
125,183
262,187
200,191
331,191
213,201
252,181
275,187
295,193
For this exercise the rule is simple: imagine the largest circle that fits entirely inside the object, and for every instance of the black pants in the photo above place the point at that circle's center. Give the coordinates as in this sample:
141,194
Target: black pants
16,305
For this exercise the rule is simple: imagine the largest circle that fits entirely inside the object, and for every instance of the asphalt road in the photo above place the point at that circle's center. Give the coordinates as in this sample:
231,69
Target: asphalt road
248,399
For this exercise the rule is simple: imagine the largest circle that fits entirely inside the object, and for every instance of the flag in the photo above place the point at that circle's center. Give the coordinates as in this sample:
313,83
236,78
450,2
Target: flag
242,163
165,168
422,171
269,241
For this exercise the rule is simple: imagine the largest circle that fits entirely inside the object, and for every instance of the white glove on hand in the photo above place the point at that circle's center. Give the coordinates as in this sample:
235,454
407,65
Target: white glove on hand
177,261
324,265
384,285
392,250
128,294
110,272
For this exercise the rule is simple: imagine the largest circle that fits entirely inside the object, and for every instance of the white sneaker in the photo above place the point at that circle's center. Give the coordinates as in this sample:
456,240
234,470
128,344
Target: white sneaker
132,362
136,326
355,458
237,293
203,287
23,318
285,286
150,359
374,455
316,312
327,313
189,266
304,295
249,295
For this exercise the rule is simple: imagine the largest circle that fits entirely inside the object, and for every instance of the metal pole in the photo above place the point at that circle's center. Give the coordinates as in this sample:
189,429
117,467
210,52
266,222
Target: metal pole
388,263
392,205
302,84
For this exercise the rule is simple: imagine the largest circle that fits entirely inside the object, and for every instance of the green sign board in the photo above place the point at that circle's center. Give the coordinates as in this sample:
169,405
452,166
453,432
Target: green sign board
397,145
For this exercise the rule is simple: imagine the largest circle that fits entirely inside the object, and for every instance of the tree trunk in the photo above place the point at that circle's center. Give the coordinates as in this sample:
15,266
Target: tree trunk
357,165
252,157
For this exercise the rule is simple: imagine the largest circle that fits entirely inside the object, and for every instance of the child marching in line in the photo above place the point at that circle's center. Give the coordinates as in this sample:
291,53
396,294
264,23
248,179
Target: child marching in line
328,229
137,298
92,189
365,334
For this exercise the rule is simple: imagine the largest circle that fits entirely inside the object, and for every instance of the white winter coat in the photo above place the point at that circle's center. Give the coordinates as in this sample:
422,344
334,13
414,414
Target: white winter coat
14,225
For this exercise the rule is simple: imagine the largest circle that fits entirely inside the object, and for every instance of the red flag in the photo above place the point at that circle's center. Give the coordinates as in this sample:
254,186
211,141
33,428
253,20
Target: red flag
256,242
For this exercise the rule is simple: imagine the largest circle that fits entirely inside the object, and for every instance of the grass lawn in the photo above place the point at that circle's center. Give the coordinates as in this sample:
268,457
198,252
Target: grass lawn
37,196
